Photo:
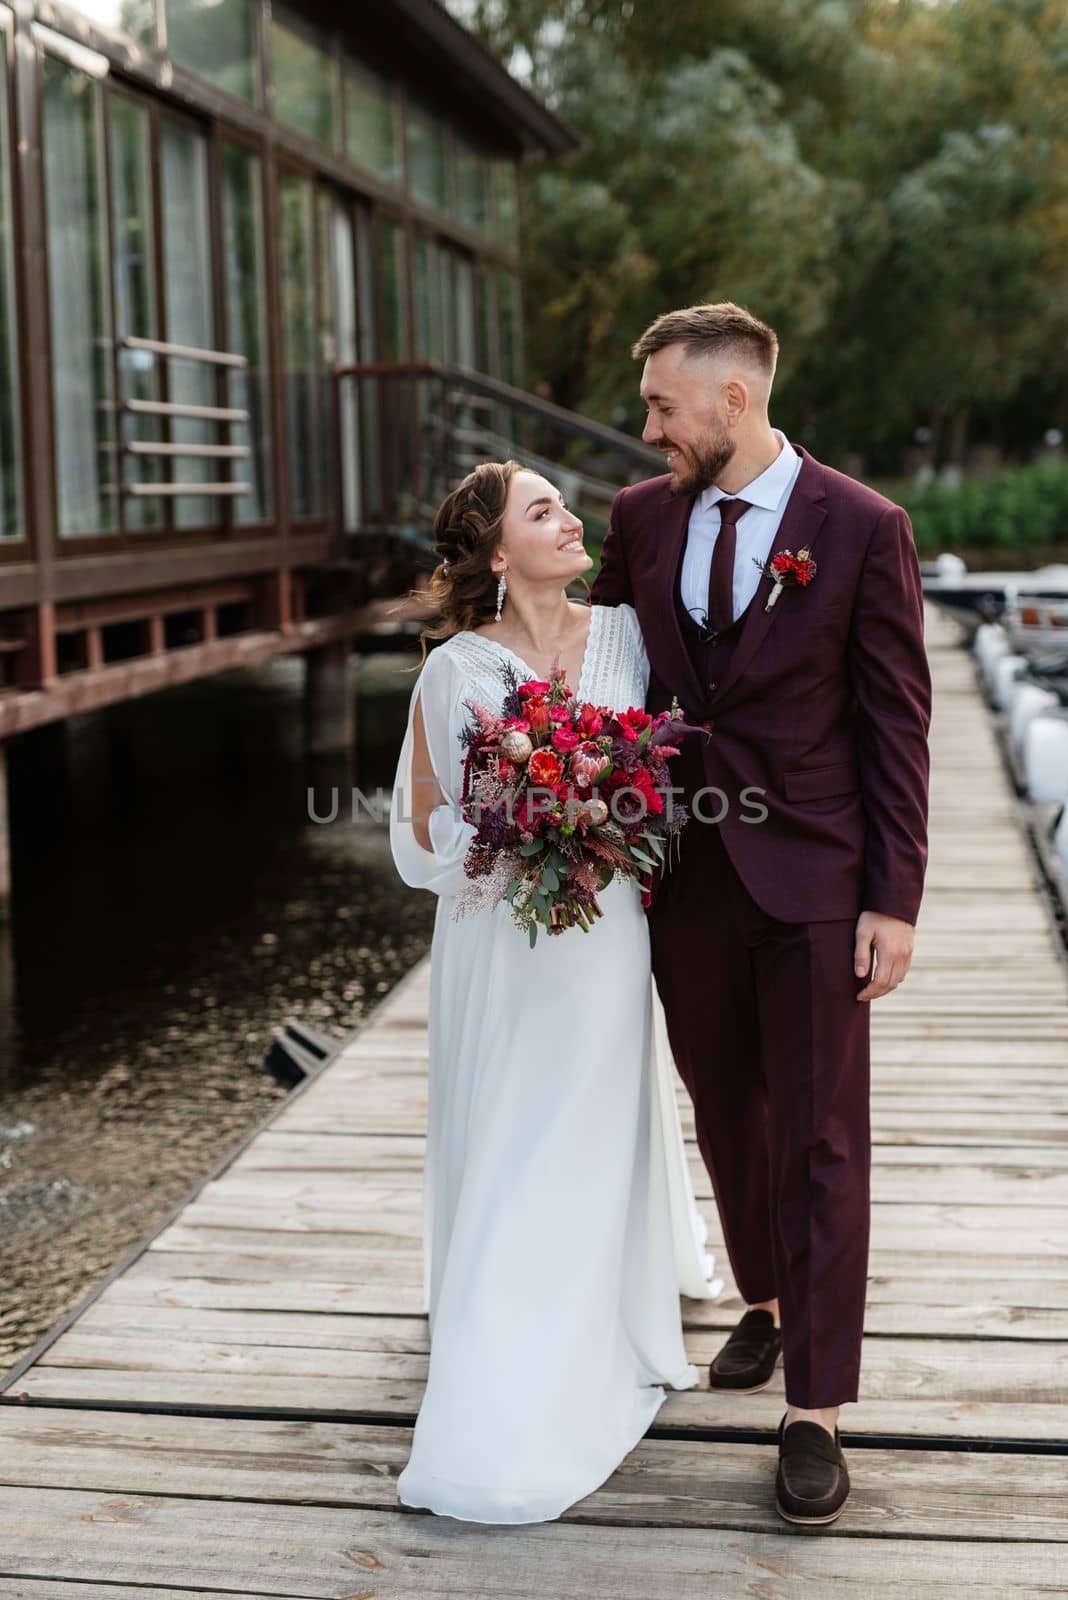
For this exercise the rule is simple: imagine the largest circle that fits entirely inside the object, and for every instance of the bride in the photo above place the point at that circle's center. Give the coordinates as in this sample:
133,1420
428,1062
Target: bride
559,1219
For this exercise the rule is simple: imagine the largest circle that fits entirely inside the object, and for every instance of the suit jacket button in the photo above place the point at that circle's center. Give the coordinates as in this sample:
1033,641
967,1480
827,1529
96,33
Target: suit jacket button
713,684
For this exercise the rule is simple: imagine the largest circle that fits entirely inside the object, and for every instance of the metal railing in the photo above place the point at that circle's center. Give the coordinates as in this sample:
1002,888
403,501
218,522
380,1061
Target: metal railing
200,413
416,428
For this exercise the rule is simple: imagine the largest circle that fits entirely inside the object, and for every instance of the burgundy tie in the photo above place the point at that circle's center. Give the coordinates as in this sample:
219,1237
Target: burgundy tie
721,572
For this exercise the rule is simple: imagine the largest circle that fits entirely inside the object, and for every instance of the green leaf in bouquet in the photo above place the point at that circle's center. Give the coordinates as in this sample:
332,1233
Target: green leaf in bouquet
549,878
532,848
640,855
532,934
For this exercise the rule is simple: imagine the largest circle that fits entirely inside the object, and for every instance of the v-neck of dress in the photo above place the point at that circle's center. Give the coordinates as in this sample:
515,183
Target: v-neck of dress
587,654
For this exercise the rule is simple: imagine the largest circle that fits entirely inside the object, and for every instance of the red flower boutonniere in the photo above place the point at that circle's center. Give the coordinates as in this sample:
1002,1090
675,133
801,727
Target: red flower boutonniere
788,571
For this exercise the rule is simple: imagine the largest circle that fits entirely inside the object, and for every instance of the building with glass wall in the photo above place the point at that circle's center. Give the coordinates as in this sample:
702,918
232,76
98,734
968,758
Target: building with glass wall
206,207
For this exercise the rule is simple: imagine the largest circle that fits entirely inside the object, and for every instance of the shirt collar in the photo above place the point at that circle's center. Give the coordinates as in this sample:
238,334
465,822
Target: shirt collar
768,488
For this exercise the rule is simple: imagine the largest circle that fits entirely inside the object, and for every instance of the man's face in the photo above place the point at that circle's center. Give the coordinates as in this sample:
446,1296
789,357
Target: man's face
686,417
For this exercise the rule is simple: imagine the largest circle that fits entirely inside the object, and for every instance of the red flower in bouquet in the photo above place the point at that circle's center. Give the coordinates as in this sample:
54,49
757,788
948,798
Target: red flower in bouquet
590,721
586,762
638,792
537,714
544,768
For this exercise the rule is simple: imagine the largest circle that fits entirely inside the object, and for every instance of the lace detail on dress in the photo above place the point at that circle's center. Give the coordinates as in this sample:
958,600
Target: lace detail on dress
614,674
481,667
620,673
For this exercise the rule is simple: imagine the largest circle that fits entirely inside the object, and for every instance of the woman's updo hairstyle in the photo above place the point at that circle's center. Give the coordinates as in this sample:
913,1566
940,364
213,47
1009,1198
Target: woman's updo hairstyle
467,532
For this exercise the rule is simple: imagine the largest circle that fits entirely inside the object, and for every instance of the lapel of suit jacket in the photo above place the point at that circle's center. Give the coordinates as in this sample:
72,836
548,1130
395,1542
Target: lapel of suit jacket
800,526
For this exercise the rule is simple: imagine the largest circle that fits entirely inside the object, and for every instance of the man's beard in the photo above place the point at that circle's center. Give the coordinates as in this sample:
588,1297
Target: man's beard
703,463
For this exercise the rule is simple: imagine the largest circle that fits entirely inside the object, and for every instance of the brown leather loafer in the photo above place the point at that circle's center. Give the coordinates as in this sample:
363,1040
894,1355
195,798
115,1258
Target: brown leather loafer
812,1483
747,1360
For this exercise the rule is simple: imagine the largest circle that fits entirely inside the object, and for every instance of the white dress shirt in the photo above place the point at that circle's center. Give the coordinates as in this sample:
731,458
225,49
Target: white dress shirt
755,531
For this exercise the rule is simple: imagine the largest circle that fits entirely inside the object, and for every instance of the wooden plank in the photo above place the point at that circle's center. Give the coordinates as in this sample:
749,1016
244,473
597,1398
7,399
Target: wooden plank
1009,1390
77,1589
663,1482
892,1368
929,1228
895,1306
312,1552
386,1161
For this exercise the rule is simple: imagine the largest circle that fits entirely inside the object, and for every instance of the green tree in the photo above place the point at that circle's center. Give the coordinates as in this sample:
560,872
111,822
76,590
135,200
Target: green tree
886,181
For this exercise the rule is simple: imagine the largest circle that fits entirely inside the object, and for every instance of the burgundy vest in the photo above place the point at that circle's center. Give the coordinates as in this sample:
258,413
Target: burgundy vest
711,662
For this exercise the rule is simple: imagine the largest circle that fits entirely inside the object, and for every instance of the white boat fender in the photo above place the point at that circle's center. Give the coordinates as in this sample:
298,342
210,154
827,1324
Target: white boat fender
1007,675
1031,701
1045,761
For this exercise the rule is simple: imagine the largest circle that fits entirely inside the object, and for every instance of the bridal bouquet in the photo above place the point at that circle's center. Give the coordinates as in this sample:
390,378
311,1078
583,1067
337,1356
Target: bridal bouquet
564,796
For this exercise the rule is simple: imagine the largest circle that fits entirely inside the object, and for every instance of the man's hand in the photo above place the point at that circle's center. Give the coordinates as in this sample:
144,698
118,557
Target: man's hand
891,939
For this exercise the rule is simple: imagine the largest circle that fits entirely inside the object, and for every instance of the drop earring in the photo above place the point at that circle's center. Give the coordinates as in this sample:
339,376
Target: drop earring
502,588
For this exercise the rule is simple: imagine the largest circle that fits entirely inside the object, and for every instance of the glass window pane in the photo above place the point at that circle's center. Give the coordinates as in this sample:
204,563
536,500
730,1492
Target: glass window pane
301,367
459,309
188,312
133,279
394,282
326,346
427,286
472,188
506,195
488,343
246,328
508,316
302,75
137,18
11,523
371,121
368,394
217,40
427,161
82,396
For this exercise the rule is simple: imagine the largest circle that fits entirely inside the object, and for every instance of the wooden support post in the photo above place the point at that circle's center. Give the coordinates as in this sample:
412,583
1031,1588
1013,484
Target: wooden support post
153,642
330,699
5,842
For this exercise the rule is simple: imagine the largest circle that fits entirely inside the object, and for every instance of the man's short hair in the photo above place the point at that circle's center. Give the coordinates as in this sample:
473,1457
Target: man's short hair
712,330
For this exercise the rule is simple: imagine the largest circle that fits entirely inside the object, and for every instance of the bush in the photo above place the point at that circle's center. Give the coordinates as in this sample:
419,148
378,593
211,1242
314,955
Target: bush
1022,509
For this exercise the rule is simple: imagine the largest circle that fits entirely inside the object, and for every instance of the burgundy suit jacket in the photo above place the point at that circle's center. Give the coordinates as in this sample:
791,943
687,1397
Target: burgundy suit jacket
826,704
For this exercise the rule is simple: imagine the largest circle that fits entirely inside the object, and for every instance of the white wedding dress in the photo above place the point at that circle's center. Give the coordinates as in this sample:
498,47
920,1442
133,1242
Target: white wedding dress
559,1218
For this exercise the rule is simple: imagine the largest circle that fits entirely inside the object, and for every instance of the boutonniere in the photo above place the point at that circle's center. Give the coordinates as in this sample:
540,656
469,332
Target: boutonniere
788,571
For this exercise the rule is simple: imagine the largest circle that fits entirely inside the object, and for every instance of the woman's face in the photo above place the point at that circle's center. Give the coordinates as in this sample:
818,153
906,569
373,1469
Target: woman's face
541,540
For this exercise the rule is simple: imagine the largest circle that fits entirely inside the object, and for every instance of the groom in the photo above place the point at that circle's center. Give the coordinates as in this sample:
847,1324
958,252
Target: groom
801,872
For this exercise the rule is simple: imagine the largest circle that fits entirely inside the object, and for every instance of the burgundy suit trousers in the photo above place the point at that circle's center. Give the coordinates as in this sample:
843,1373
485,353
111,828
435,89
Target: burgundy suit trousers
773,1047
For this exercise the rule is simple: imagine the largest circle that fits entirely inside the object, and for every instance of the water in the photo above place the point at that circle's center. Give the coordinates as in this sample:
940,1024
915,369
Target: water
174,904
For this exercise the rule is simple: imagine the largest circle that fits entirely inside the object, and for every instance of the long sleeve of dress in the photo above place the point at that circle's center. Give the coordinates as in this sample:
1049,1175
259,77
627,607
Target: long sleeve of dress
439,691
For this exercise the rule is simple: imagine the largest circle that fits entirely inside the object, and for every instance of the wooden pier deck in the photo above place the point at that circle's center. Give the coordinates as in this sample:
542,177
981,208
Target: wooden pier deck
228,1417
